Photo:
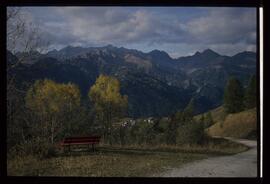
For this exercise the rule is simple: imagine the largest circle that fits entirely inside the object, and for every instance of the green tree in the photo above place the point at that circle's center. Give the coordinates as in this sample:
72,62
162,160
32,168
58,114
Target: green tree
208,121
250,99
50,102
191,133
188,112
202,119
233,96
179,116
178,121
109,104
171,133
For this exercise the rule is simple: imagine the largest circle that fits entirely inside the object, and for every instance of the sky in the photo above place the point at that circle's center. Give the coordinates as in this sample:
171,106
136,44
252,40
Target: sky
180,31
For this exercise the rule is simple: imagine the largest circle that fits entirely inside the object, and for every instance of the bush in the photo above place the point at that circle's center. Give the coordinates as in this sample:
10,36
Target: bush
51,151
37,147
208,120
40,147
191,133
16,150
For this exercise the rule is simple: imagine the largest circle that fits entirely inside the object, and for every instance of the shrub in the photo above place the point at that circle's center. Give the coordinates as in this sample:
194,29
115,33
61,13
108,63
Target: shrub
51,151
37,147
191,133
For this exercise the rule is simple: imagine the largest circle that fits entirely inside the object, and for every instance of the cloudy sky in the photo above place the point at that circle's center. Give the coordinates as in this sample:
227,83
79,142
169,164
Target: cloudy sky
180,31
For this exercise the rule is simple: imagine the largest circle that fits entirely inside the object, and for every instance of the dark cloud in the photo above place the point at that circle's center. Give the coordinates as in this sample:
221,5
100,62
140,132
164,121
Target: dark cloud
225,25
179,31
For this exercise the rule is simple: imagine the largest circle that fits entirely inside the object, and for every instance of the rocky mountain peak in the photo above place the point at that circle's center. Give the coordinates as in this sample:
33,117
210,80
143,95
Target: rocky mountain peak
209,52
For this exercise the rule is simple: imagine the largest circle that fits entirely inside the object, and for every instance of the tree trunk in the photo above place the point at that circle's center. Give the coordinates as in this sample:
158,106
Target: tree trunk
52,131
110,125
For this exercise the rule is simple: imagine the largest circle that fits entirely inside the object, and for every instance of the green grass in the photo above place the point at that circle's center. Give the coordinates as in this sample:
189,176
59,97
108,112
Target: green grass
118,161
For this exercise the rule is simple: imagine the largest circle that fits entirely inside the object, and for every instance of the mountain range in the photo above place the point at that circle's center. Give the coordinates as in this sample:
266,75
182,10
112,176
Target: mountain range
156,84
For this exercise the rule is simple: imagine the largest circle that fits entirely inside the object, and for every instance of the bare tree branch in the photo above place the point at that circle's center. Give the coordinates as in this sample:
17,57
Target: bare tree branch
25,37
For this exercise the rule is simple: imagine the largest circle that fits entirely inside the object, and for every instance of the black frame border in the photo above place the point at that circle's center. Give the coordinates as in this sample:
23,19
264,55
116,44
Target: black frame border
157,3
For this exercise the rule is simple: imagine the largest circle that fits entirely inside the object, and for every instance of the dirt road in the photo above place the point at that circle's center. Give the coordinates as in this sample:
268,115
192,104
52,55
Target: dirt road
238,165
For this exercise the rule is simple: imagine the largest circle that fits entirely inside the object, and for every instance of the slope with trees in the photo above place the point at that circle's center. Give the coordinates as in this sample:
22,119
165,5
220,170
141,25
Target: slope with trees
238,116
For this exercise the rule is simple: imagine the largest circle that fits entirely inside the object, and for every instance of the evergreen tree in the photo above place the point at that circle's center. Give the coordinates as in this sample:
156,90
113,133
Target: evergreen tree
172,130
233,96
208,120
188,112
179,117
202,119
251,93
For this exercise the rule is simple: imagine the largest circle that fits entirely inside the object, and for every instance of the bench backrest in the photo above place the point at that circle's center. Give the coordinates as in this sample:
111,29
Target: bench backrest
91,139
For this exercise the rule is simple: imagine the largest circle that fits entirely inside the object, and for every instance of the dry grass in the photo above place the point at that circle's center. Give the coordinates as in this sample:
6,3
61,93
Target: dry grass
118,161
214,146
104,164
219,114
238,125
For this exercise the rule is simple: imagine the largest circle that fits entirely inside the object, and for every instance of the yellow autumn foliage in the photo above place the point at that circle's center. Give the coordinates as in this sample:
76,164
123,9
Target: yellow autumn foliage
105,93
48,97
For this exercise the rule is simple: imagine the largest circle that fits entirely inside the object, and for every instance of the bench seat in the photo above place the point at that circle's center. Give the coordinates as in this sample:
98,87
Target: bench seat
90,140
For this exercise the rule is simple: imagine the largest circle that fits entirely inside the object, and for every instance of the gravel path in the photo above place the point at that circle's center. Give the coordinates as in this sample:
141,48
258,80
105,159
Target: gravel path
239,165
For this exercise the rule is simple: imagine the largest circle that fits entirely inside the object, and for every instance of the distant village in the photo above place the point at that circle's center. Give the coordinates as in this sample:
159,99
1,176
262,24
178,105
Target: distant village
129,122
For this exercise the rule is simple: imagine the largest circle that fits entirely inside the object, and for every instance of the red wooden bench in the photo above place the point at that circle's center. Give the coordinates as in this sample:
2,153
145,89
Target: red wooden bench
91,140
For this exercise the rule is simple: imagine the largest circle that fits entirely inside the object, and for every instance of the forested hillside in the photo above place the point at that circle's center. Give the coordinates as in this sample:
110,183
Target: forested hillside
155,83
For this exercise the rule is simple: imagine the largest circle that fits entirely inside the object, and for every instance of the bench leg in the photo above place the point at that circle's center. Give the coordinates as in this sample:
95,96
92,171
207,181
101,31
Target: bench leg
93,147
66,149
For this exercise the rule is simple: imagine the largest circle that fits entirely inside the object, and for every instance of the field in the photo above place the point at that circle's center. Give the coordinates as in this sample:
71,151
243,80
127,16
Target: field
119,161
